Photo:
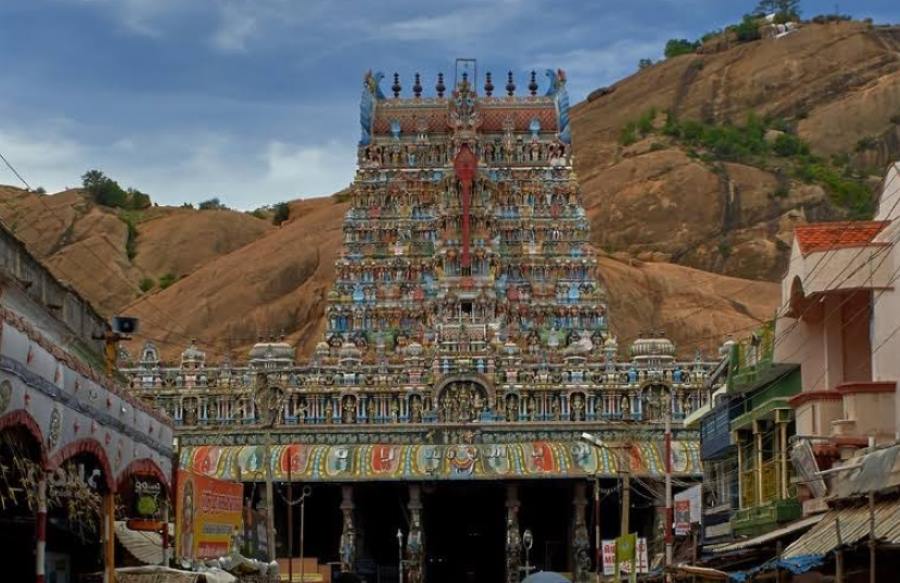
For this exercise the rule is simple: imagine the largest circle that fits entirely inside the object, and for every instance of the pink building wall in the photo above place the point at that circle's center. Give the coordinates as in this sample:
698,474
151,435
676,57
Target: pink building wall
839,321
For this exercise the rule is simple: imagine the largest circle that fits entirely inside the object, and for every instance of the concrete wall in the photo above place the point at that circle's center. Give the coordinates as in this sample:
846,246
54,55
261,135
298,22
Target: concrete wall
886,309
53,299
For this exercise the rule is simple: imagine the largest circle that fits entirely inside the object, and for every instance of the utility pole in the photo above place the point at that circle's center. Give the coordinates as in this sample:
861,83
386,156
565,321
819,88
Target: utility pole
598,544
290,522
872,537
304,494
626,497
270,498
839,553
670,515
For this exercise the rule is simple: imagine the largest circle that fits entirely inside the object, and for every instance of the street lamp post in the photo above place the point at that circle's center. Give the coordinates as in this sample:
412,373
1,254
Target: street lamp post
400,555
527,543
307,491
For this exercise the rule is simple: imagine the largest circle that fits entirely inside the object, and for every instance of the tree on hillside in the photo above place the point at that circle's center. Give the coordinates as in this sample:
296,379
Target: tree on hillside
679,46
784,10
103,189
138,200
106,191
212,204
282,213
644,63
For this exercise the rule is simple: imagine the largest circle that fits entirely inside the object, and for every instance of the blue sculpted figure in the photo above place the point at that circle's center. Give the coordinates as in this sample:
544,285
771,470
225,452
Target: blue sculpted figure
557,91
632,375
370,94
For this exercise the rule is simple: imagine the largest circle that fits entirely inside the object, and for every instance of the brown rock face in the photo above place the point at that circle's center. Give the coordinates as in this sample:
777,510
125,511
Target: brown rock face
86,244
839,82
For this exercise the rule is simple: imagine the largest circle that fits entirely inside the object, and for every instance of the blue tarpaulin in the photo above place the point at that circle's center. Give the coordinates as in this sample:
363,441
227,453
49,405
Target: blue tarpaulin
795,565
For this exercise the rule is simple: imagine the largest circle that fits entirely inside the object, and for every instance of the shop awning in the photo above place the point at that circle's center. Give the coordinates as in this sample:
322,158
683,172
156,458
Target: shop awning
702,572
776,534
156,574
854,525
146,547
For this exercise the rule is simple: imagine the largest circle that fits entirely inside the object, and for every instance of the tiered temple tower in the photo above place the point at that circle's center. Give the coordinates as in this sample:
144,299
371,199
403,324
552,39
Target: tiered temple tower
467,335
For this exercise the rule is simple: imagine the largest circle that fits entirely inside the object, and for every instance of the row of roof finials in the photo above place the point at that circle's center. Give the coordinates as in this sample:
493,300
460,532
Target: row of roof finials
440,88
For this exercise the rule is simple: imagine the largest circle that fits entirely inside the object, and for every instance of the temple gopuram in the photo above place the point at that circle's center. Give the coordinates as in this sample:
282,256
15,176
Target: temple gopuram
467,352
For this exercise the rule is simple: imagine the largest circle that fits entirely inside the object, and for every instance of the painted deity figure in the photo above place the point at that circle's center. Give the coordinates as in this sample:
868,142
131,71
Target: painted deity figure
416,409
370,410
348,410
329,410
578,407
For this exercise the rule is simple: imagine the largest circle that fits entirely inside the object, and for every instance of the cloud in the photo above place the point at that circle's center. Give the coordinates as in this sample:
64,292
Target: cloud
588,69
309,170
42,159
235,29
143,17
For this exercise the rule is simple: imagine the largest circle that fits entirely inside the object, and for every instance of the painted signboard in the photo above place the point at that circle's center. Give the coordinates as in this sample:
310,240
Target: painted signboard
688,509
372,462
609,557
208,514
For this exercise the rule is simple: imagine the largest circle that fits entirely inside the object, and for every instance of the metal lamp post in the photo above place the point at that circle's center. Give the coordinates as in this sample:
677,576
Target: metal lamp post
400,555
306,492
527,543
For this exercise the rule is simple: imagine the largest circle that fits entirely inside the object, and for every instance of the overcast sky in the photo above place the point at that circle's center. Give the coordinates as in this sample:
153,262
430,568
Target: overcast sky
256,101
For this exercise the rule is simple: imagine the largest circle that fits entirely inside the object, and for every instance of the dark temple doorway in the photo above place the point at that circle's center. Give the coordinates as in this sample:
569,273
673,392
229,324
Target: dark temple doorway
381,510
464,532
546,510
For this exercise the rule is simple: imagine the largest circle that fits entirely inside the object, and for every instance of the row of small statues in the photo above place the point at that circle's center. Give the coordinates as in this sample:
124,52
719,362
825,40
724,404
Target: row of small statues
509,150
468,402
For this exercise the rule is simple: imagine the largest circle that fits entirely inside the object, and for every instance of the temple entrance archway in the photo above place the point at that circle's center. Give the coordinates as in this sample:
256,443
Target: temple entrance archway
464,532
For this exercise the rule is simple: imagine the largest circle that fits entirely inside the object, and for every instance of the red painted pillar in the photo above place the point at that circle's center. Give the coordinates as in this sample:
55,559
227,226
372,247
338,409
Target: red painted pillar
41,529
465,166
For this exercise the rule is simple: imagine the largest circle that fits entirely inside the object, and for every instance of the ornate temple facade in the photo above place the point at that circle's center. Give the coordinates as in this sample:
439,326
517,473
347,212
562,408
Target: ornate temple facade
467,334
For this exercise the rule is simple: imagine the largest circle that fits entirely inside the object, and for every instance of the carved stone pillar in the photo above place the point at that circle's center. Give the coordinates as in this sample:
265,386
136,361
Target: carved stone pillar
415,547
348,533
513,538
581,543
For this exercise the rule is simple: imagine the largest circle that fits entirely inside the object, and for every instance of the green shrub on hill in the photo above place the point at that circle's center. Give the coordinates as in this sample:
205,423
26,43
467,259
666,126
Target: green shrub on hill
105,191
747,144
680,46
166,280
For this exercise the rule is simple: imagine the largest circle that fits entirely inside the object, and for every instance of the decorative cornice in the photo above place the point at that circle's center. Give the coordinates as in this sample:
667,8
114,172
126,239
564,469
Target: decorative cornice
53,392
866,387
807,396
75,364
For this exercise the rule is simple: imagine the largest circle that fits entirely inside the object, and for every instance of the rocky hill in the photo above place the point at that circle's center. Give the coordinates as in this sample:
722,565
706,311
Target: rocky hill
835,86
664,205
93,248
241,278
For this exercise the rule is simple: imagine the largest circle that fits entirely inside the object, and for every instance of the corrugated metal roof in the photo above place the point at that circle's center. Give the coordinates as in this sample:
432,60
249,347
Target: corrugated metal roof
854,524
769,536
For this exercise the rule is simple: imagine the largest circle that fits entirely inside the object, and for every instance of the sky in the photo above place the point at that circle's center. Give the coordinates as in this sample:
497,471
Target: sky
256,101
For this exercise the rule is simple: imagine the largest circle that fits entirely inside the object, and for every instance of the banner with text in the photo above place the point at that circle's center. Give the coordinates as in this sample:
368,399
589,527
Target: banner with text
207,517
608,548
